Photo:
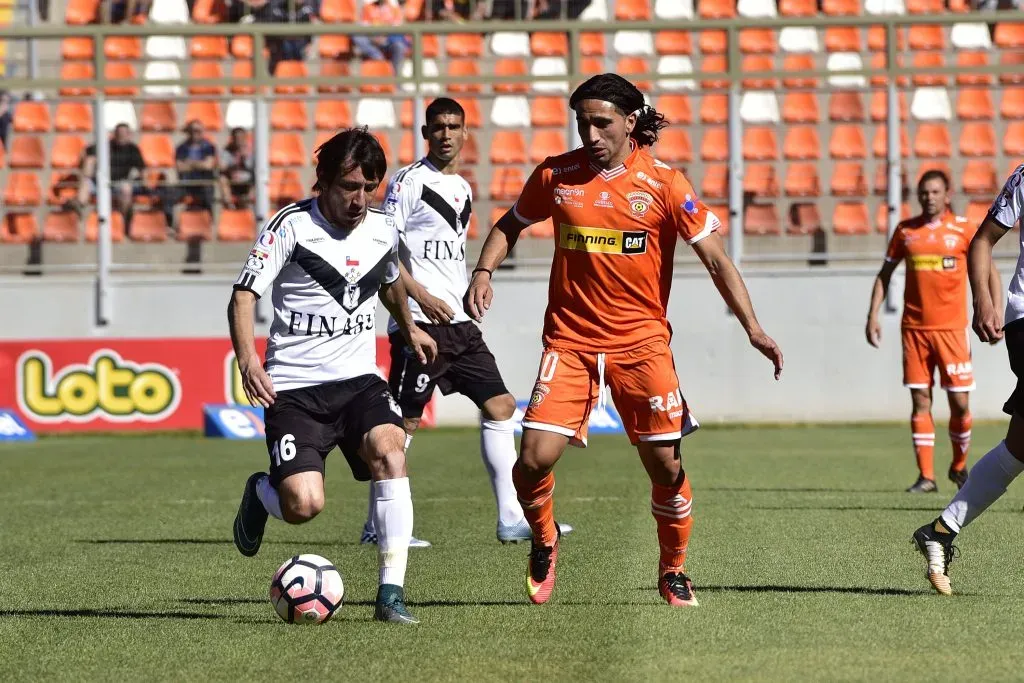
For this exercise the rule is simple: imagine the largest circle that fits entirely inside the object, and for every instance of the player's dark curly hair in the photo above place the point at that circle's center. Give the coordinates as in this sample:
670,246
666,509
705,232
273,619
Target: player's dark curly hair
628,99
345,151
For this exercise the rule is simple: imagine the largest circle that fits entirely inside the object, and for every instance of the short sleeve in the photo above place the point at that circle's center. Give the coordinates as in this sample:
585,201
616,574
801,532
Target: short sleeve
270,253
534,203
400,200
895,252
693,219
1006,208
181,152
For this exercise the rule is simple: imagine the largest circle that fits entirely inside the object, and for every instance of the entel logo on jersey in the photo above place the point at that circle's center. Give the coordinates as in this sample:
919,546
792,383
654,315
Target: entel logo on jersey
565,169
639,203
107,386
657,185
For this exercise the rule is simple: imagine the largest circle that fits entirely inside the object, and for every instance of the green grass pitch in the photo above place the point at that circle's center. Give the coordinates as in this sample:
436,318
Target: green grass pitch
117,564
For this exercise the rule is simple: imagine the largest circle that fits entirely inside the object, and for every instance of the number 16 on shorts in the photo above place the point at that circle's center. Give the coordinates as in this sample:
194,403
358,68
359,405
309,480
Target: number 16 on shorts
284,450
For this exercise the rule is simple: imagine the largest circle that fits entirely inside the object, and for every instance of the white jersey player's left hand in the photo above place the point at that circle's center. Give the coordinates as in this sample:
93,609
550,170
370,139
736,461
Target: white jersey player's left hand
423,345
436,309
988,322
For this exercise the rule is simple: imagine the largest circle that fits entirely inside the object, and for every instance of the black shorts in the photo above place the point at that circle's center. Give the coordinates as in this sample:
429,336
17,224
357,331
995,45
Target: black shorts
1014,337
464,365
304,425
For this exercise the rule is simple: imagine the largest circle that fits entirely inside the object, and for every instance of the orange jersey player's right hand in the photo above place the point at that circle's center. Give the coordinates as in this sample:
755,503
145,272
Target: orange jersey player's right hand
769,349
479,295
873,332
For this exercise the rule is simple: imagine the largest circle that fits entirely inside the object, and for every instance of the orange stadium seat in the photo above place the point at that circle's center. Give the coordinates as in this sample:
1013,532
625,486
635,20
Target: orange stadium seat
1015,59
1013,140
464,45
464,67
77,71
242,72
971,58
591,66
332,114
148,226
758,41
714,108
335,69
382,138
376,68
26,152
879,145
927,165
592,44
1012,104
1009,35
548,111
285,186
287,149
241,47
851,218
798,8
675,108
236,225
633,68
23,189
845,106
879,61
847,142
848,180
926,60
208,47
633,10
19,228
802,180
545,44
195,226
92,227
471,154
31,117
76,48
804,219
979,177
801,142
881,179
761,219
926,37
511,67
713,42
66,151
431,44
209,11
715,182
334,47
842,39
714,145
759,143
338,11
878,40
82,12
63,188
158,116
206,111
674,146
473,116
932,141
798,63
117,71
508,147
205,68
976,212
977,139
60,226
880,104
73,117
506,183
295,69
157,150
548,143
841,8
713,64
406,149
289,115
800,107
753,63
759,180
123,47
925,6
672,43
406,113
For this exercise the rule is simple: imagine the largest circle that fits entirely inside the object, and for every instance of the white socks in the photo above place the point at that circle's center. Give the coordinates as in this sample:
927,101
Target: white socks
392,518
268,496
373,496
498,449
986,482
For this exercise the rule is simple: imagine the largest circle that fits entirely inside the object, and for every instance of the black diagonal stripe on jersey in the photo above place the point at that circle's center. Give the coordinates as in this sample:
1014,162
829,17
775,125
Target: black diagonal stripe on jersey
333,282
276,222
443,208
466,211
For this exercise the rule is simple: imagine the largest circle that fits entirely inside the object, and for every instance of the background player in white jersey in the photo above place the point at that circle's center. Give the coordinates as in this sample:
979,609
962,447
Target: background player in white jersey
990,476
327,257
431,204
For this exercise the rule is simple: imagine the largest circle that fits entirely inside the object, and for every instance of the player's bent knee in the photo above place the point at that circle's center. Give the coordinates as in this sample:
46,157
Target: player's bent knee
501,407
383,450
297,509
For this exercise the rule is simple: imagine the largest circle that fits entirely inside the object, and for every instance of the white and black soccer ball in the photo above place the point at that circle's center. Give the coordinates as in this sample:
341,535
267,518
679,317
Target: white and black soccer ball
307,589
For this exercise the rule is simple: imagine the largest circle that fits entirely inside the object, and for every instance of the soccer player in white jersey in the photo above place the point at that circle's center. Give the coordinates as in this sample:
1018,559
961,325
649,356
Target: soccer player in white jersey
990,476
431,204
327,258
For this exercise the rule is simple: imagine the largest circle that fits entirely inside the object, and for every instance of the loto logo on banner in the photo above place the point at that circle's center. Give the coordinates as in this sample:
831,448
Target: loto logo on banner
106,386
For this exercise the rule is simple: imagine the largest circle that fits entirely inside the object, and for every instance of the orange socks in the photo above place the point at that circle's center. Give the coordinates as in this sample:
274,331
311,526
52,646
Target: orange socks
670,506
960,437
922,429
538,507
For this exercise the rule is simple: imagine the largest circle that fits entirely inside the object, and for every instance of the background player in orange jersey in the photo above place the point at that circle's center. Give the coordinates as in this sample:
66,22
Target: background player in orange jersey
934,245
618,212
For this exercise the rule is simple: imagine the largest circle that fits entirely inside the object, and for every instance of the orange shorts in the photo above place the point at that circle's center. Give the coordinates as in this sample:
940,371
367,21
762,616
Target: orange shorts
948,350
643,385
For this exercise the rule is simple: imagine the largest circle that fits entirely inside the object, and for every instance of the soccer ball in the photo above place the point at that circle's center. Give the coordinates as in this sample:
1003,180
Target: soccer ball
306,589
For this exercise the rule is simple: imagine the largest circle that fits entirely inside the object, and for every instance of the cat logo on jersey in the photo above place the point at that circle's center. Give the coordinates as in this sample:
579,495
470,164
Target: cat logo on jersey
602,240
639,203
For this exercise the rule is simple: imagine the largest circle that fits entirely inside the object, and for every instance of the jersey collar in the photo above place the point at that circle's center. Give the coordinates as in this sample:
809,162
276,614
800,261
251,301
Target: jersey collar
621,169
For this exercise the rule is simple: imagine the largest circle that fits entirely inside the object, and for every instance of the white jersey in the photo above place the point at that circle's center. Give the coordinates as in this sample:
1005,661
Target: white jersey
1006,211
325,292
432,211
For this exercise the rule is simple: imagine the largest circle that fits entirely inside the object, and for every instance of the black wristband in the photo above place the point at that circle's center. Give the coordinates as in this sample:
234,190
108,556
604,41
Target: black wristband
482,270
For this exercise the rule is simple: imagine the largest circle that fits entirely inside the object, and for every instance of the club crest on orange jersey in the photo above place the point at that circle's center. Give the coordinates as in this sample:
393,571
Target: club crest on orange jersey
639,203
540,391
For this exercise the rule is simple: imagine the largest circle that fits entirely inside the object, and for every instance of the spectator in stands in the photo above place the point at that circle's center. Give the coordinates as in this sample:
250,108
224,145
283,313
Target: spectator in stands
6,116
458,10
196,162
559,9
132,10
395,45
126,167
279,12
237,177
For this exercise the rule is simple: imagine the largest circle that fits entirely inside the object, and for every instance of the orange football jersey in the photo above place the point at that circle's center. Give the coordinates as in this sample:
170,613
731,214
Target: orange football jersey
615,238
935,297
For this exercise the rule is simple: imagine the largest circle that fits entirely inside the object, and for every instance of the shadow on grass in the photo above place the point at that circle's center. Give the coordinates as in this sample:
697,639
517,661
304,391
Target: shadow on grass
854,590
224,601
795,489
934,509
107,614
203,541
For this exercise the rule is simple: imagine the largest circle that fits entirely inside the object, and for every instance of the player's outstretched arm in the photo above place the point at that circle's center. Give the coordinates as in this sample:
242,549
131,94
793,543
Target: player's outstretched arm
730,285
395,299
434,308
500,240
873,330
988,319
259,388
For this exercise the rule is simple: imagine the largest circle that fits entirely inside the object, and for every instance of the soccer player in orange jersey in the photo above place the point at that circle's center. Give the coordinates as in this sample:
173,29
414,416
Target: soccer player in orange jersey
934,245
618,212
